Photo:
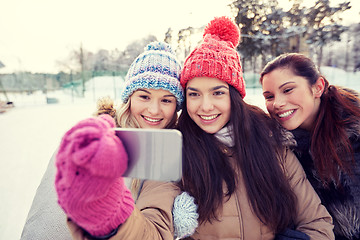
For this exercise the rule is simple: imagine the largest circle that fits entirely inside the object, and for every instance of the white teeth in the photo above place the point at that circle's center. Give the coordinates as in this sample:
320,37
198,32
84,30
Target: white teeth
285,114
209,117
151,119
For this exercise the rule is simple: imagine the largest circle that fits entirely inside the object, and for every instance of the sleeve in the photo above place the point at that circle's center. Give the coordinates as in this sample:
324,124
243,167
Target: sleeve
152,216
312,218
45,219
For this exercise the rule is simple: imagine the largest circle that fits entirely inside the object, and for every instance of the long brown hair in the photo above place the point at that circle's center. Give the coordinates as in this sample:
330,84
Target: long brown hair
256,152
330,145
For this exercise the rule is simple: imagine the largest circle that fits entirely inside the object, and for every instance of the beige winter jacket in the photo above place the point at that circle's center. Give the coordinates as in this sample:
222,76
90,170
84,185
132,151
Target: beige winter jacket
152,218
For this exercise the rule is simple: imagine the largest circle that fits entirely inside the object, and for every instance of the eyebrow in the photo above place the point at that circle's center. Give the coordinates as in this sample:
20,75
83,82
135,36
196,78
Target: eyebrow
285,84
170,95
167,95
280,86
212,89
144,91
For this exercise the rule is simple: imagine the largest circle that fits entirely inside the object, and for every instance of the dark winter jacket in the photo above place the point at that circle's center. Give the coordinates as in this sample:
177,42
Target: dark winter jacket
342,200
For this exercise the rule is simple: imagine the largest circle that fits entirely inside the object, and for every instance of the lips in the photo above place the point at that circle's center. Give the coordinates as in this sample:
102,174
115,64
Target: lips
209,117
152,120
285,114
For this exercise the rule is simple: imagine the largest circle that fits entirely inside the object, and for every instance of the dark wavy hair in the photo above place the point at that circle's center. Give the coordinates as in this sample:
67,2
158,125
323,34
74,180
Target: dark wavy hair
256,155
339,107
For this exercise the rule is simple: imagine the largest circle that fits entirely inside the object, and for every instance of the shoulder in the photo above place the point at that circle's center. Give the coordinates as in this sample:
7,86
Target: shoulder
291,165
150,185
159,194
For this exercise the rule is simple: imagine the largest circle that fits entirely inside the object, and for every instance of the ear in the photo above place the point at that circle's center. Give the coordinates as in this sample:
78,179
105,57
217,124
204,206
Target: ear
318,87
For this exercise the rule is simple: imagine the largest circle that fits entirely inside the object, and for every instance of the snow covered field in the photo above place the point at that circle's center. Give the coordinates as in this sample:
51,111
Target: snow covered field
29,134
32,130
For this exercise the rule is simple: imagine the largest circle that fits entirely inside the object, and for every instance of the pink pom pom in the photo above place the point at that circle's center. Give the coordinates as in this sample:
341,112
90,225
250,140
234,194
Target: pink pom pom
225,29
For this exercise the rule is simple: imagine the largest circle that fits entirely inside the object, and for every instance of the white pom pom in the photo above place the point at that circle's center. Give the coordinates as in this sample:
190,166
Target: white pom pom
185,215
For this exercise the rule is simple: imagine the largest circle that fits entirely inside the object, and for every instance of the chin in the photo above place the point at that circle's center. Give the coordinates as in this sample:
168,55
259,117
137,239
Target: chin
211,131
289,127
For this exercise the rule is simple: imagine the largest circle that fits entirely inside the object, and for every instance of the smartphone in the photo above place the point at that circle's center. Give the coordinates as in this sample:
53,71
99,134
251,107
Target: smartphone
154,154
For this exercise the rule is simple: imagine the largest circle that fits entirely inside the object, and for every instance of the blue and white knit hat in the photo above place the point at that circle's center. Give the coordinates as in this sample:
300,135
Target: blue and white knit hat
156,68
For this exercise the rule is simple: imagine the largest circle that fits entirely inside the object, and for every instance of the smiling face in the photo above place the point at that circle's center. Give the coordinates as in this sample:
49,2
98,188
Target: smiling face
153,108
290,99
208,103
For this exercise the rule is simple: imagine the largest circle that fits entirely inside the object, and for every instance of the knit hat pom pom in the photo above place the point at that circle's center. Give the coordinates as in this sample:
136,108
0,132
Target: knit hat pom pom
225,29
159,46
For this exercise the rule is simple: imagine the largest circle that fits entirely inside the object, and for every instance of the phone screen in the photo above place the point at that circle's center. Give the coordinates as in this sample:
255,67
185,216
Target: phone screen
154,154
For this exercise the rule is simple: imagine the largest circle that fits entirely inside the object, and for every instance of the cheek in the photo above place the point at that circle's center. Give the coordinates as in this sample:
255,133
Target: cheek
227,108
269,106
136,108
190,106
169,111
308,105
299,98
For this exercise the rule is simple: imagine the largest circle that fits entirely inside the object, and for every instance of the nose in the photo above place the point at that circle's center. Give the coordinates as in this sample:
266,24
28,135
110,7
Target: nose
207,104
279,102
154,108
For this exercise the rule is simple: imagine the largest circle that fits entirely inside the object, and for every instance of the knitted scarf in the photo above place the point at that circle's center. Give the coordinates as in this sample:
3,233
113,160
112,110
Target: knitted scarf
226,136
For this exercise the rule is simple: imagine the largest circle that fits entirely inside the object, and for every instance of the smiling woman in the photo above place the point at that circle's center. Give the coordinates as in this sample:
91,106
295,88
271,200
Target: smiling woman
324,120
153,108
290,100
208,103
152,84
236,165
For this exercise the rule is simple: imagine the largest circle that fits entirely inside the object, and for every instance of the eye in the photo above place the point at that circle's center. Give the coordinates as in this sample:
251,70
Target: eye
165,100
268,97
193,94
287,90
217,93
145,97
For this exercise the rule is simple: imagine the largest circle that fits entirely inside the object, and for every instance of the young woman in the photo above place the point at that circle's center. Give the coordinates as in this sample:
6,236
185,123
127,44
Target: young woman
246,183
324,120
91,159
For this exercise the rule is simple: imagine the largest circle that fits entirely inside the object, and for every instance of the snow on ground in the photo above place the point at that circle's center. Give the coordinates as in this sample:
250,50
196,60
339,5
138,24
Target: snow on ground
29,134
28,138
31,131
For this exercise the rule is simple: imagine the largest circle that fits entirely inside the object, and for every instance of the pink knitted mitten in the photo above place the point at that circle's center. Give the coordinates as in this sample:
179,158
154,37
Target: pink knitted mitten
90,162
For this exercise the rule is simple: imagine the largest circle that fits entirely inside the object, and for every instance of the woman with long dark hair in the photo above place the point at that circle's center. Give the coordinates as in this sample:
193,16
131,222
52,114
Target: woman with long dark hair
236,165
324,120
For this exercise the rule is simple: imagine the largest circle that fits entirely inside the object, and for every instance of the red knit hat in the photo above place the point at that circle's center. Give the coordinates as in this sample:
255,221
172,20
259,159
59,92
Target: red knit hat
216,56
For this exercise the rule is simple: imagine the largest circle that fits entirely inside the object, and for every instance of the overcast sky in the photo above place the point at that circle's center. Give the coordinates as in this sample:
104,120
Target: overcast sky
36,33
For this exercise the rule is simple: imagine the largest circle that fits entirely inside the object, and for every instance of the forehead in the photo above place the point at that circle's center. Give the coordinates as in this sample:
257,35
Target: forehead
284,71
154,91
205,82
280,76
